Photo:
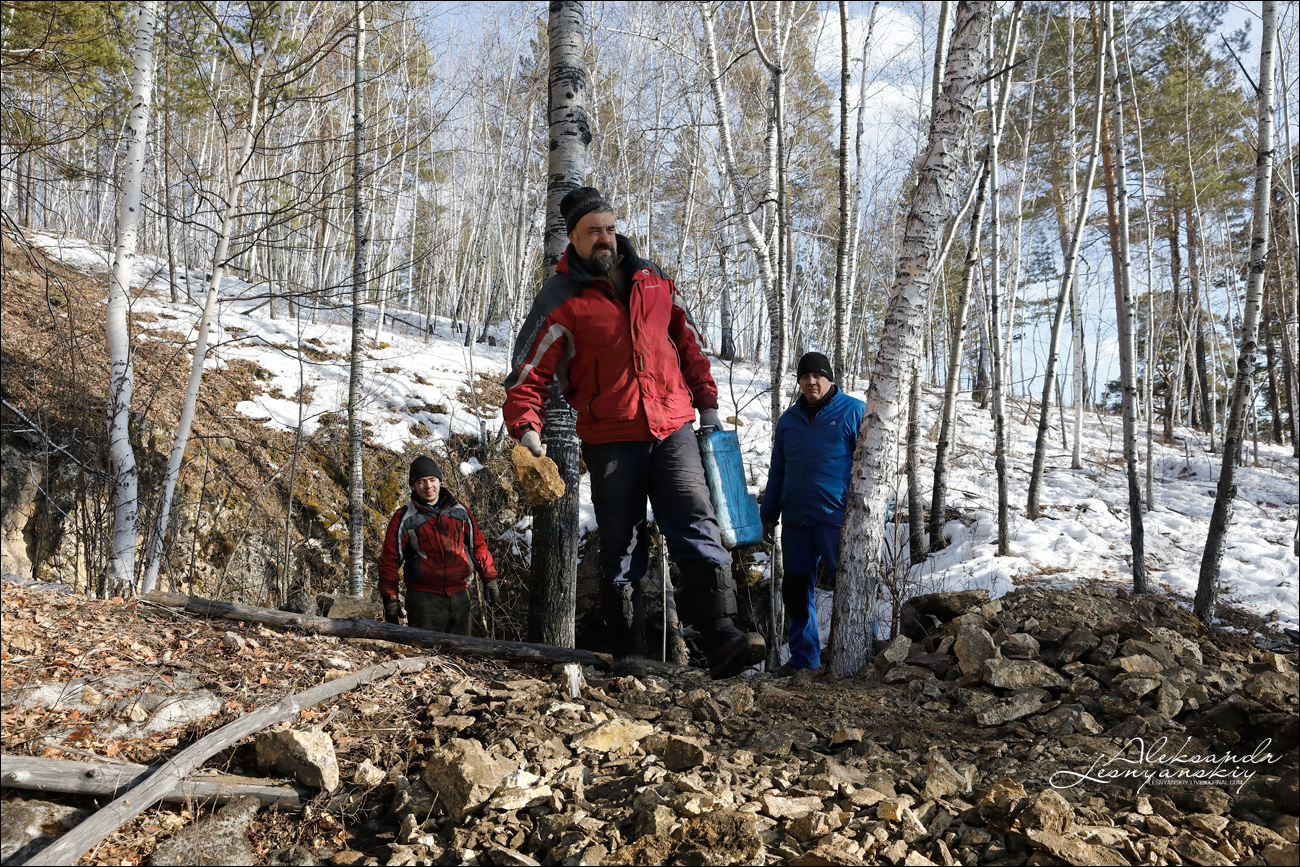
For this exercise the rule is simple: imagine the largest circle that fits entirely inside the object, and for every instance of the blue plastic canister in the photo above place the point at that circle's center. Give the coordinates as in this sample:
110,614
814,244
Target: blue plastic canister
724,471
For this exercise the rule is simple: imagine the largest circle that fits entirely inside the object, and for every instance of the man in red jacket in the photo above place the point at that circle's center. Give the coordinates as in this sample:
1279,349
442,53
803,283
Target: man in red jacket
435,541
614,332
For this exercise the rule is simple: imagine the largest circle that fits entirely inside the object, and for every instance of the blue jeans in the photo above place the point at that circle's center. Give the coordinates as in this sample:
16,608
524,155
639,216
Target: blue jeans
803,548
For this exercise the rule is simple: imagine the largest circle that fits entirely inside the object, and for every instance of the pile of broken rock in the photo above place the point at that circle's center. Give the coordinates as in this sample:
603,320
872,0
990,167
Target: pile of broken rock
983,735
971,751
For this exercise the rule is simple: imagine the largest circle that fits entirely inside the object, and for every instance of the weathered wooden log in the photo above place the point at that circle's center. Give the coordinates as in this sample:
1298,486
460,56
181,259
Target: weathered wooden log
110,780
358,627
69,848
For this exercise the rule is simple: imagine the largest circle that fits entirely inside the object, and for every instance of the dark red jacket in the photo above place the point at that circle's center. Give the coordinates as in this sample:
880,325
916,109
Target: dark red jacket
434,546
634,373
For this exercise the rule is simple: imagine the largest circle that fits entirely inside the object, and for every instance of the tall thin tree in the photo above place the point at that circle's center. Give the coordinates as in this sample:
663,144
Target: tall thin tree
1067,285
236,166
1207,587
854,617
120,572
997,123
1126,318
356,360
948,411
555,527
842,248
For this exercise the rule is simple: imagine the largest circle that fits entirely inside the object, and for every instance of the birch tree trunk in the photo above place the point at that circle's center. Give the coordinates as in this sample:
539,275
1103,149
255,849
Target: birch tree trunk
767,253
1067,286
948,415
1207,588
234,186
1126,316
763,251
1148,367
940,50
555,527
857,175
727,345
782,299
998,123
842,250
120,568
356,361
915,502
854,617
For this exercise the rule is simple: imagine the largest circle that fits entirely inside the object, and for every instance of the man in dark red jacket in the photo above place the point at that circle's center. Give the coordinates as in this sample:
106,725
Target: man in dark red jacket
435,541
614,332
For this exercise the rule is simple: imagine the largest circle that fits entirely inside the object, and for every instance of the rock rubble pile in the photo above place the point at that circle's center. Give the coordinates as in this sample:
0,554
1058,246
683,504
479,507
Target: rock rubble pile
1079,726
988,744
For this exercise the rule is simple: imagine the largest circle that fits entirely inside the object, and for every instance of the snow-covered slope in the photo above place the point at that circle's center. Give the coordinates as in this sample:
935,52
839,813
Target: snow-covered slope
416,384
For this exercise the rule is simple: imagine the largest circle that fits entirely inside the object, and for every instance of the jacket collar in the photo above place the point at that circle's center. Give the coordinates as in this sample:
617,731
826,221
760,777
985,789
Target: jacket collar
813,408
444,500
571,264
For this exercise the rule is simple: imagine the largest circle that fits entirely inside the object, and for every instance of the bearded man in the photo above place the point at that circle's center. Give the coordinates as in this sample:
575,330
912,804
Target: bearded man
614,331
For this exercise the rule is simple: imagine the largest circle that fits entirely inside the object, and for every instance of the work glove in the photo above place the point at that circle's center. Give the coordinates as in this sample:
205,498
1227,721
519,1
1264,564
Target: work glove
392,611
769,533
709,418
532,441
493,589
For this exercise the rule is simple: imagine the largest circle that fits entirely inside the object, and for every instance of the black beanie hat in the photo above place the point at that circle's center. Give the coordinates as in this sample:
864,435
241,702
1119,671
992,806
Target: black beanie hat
579,203
815,362
422,467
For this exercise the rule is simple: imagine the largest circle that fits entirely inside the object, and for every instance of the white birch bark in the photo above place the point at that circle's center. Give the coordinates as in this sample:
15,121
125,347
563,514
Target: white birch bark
120,568
1067,285
854,617
842,251
356,363
857,175
758,242
948,413
1207,588
555,527
1076,313
1148,375
998,123
235,174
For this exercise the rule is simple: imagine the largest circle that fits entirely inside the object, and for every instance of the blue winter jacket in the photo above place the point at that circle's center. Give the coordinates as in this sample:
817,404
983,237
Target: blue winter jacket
811,460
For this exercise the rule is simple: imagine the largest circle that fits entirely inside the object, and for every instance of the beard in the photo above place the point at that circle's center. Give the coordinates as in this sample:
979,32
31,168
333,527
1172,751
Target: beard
601,261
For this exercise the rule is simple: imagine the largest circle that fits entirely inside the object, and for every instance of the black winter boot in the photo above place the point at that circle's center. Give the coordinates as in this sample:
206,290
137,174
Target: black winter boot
709,604
624,610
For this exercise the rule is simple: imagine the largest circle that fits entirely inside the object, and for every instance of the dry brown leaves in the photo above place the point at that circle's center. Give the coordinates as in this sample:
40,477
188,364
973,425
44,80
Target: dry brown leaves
119,649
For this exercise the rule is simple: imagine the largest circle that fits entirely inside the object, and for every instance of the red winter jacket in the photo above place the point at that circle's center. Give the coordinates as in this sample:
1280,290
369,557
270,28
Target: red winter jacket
633,373
433,544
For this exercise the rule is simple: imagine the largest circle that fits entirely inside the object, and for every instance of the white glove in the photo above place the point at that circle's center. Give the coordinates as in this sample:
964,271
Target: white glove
709,418
532,441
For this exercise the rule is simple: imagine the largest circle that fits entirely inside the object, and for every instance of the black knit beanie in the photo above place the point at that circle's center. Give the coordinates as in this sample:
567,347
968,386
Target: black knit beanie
422,467
579,203
815,362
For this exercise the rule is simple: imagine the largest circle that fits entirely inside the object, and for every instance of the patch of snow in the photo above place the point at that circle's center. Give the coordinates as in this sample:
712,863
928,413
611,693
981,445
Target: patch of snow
413,383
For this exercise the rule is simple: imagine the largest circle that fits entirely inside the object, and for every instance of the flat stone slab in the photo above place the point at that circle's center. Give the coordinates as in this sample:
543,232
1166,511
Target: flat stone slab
221,838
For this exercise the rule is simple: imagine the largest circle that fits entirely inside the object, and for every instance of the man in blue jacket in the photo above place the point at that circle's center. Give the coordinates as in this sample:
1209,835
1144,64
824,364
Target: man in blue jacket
806,485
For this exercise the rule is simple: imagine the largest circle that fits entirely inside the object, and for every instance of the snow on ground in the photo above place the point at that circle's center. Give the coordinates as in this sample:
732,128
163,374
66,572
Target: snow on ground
1083,534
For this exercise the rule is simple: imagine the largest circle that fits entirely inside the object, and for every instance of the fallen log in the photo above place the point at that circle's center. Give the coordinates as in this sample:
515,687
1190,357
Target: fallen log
69,848
359,627
70,777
